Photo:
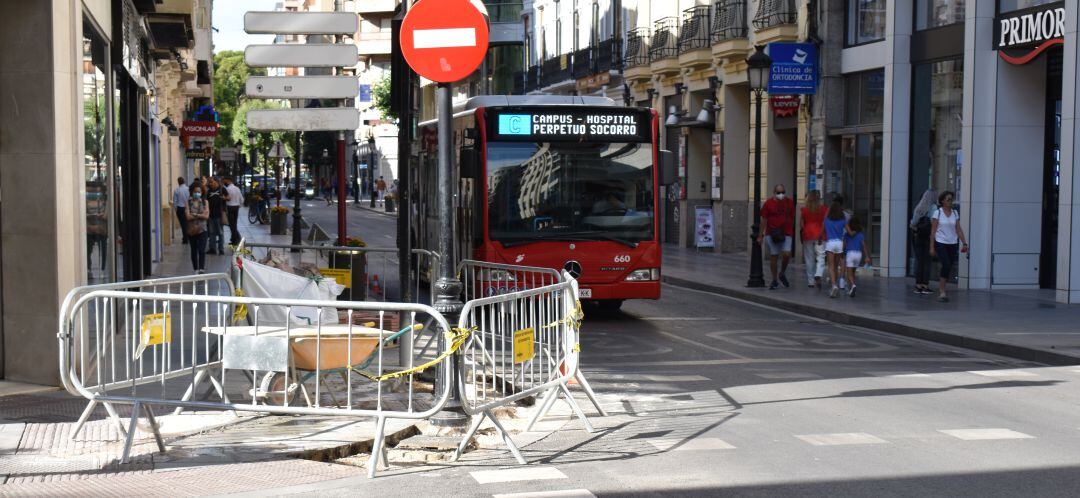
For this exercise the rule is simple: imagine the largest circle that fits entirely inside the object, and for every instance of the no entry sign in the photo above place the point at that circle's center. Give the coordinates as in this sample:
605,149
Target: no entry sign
444,40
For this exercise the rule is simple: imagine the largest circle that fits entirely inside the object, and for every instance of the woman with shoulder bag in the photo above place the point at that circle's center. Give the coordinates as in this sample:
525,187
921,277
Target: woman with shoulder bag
920,240
198,212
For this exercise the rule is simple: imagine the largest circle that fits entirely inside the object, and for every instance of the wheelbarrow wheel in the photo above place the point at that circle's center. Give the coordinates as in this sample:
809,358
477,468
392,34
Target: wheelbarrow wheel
273,390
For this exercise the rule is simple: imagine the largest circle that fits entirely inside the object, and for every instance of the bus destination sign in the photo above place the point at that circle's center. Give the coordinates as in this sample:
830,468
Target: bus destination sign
569,124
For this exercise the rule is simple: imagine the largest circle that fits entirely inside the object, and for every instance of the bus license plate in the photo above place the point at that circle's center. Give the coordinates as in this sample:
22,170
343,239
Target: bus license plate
584,293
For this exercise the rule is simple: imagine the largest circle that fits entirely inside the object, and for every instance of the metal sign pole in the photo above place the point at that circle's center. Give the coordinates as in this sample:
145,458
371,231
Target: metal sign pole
341,187
448,287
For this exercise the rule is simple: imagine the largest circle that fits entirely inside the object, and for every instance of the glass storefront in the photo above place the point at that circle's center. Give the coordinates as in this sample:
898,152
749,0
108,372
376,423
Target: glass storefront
97,164
865,21
936,13
504,64
865,94
1011,5
936,126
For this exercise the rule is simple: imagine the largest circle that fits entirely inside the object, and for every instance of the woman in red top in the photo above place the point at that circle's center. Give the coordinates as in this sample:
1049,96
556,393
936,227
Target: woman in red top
813,217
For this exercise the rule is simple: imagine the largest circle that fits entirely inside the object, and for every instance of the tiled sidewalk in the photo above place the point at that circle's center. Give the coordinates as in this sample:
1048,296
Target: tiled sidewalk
1022,324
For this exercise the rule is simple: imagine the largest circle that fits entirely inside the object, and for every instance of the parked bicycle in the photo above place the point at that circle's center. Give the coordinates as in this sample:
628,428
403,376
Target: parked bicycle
259,210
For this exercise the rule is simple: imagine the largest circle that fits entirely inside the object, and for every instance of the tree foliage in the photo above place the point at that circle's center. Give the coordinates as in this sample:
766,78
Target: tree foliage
264,141
230,73
380,95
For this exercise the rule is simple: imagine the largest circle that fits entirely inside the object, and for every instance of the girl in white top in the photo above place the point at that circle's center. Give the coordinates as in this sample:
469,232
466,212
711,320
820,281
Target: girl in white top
946,235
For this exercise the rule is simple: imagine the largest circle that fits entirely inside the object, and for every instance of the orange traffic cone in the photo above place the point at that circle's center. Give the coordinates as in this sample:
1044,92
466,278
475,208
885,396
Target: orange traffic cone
375,287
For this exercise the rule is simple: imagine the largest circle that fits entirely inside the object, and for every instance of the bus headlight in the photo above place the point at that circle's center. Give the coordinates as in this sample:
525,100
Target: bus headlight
644,275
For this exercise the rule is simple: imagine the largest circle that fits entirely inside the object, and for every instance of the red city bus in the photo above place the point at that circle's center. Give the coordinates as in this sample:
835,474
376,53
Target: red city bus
551,181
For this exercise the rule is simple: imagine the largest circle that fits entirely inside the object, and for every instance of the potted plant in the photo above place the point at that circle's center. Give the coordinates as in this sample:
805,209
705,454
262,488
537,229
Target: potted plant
279,219
389,202
356,262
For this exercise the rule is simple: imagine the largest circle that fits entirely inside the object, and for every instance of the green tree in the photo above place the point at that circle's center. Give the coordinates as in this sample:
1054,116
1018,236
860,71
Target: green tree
263,140
380,95
230,74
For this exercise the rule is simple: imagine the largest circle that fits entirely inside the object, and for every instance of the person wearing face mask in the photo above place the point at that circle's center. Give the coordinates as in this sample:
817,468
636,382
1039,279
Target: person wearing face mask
778,228
198,212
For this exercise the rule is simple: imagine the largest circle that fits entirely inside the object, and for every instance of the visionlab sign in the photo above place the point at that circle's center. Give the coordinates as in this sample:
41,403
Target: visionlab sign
1022,35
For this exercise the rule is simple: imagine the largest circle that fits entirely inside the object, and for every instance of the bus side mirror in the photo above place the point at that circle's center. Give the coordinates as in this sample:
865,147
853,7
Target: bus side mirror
667,167
470,162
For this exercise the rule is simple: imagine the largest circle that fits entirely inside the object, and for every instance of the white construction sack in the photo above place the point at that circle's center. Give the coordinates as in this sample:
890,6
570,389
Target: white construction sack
264,281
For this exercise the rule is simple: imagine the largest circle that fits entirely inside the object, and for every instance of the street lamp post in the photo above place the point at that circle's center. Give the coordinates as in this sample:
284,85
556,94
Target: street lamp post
371,168
253,160
322,168
758,67
297,193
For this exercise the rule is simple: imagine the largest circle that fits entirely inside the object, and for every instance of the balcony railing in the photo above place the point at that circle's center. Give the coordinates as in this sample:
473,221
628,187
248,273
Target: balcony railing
664,39
729,20
583,62
637,48
555,70
773,13
532,79
694,33
607,55
504,11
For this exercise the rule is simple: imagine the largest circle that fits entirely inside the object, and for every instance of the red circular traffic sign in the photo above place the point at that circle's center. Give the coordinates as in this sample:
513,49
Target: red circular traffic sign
444,40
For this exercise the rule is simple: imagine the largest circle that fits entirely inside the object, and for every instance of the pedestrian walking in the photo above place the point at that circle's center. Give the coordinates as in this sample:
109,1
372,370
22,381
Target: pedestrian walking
813,217
856,251
833,229
331,189
920,225
777,218
947,239
180,199
234,198
215,197
198,212
380,187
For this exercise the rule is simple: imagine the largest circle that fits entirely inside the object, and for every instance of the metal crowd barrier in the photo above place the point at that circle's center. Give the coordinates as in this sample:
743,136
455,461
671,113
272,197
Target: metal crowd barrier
369,273
83,359
522,343
482,279
155,348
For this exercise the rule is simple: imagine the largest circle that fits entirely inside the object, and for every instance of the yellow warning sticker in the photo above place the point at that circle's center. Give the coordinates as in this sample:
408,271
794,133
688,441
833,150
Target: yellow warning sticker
523,345
343,276
156,329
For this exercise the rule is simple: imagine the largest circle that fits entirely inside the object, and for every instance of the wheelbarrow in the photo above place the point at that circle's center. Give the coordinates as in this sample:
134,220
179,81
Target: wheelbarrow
309,356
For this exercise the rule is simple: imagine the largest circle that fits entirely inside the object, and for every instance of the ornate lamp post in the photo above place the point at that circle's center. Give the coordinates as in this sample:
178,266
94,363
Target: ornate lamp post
758,67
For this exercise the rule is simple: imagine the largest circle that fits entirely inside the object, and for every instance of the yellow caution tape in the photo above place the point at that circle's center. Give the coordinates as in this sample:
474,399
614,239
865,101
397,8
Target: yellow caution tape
574,319
456,342
240,313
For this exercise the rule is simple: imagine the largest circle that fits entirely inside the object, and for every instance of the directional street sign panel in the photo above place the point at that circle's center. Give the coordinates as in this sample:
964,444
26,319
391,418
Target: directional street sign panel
444,41
300,23
319,119
302,55
302,87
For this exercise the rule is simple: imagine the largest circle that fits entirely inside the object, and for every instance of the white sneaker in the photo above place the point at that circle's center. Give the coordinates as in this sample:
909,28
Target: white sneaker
834,292
851,292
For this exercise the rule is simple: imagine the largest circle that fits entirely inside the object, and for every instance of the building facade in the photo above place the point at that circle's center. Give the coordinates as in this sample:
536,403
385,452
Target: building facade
93,94
977,98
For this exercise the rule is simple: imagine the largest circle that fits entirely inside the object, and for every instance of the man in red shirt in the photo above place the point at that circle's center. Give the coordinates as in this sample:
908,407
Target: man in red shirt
778,228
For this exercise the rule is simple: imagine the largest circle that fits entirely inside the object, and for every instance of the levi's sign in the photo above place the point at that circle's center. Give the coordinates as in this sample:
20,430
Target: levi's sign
532,124
1036,28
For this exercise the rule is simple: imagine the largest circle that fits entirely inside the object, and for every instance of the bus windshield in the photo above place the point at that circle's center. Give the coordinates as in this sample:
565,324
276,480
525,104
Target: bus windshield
570,191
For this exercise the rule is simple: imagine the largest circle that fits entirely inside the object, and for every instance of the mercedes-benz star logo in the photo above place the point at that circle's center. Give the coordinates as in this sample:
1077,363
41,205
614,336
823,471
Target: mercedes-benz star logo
574,268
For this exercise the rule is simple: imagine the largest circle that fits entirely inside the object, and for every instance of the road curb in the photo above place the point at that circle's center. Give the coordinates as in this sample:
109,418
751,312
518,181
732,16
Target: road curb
379,212
986,346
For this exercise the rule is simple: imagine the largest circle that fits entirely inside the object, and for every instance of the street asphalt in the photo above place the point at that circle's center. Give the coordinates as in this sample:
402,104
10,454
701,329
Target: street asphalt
712,396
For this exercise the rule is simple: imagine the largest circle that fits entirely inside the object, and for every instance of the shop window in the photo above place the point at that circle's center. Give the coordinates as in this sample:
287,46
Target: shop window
865,21
1011,5
936,126
96,138
505,68
865,94
934,13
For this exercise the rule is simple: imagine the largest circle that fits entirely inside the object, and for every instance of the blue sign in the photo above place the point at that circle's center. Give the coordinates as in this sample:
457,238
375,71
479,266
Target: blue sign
515,124
794,68
365,93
